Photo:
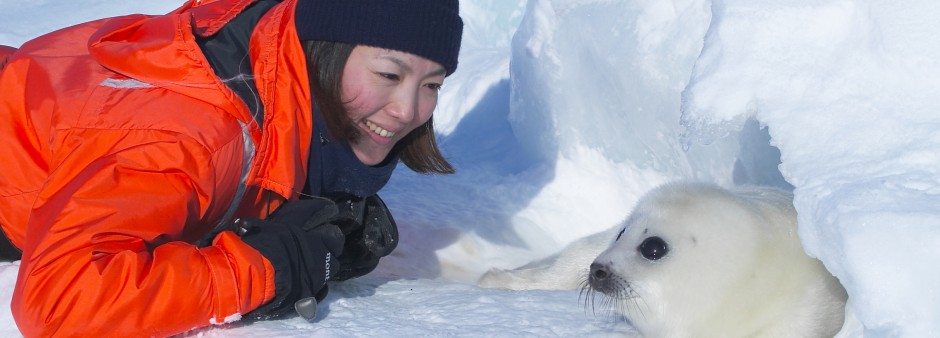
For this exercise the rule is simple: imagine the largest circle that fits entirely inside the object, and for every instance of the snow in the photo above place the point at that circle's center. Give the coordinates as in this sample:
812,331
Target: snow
562,113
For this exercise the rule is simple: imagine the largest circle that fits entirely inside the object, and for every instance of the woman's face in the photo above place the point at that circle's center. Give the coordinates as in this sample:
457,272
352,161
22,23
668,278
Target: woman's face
387,94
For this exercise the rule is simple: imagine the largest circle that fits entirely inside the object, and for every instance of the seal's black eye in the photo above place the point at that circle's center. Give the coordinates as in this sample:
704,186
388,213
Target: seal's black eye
653,248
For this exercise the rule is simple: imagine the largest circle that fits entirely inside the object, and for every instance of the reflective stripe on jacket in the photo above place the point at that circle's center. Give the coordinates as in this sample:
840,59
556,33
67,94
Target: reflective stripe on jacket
122,149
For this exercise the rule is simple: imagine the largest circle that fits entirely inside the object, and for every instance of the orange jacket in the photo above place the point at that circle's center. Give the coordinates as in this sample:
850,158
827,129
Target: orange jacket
122,149
5,52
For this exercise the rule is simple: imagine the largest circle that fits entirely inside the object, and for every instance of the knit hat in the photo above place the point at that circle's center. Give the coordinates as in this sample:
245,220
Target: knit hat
428,28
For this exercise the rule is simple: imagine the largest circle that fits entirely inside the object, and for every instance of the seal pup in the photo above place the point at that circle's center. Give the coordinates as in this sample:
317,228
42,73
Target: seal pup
698,260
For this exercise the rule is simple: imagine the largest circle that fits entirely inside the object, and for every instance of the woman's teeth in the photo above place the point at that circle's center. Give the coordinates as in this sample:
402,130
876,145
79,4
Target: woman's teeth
378,130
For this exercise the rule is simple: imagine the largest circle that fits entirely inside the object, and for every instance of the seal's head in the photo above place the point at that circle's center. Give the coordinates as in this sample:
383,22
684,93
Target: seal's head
699,260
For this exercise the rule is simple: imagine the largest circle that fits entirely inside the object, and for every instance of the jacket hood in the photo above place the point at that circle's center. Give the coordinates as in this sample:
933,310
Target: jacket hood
168,56
161,50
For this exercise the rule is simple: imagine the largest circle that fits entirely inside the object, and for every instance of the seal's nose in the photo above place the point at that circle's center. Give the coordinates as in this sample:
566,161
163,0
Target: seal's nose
599,272
602,279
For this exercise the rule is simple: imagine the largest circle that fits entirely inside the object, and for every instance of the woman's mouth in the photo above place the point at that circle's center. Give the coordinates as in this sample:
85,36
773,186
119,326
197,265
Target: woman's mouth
379,130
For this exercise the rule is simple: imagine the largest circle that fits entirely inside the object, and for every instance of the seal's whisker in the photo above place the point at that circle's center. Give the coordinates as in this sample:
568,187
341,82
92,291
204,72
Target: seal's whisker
637,299
610,305
589,295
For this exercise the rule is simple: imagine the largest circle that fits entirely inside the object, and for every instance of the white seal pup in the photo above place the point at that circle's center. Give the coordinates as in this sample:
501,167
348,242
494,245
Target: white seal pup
697,260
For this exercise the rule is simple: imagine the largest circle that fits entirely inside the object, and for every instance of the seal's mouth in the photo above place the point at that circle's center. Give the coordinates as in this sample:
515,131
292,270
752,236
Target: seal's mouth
612,293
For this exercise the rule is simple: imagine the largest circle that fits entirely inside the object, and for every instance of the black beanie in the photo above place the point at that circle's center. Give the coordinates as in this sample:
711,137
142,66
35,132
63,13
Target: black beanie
428,28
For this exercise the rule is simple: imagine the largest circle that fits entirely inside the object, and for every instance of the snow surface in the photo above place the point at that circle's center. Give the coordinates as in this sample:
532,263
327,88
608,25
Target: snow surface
605,99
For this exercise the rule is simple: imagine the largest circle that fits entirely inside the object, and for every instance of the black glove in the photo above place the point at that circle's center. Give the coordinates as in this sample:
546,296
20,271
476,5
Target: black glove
301,246
370,232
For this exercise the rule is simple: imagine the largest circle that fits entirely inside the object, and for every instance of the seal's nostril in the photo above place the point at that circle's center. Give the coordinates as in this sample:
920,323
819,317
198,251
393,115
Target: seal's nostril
599,271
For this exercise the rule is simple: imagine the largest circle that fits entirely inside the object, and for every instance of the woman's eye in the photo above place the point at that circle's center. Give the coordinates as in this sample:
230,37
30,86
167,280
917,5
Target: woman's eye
434,86
390,76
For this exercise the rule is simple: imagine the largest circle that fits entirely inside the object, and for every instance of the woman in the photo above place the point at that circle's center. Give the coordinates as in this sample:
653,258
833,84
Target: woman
134,144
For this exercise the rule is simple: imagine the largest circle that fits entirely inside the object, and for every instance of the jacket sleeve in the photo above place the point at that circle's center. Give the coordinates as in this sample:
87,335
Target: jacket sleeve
107,248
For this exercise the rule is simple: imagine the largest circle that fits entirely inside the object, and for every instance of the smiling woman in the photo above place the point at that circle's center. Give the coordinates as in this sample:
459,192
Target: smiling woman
384,95
245,170
388,94
373,106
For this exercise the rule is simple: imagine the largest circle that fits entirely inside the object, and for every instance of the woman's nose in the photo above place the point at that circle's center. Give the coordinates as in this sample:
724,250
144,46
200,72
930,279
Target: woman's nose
403,105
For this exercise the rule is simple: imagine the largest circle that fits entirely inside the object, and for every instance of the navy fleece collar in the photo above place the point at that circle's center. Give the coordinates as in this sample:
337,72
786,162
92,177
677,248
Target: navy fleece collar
334,169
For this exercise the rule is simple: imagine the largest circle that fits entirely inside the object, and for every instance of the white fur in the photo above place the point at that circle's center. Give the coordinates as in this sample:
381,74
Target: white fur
564,271
735,267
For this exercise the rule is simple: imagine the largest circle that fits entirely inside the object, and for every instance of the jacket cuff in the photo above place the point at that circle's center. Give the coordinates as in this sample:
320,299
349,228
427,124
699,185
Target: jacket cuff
245,281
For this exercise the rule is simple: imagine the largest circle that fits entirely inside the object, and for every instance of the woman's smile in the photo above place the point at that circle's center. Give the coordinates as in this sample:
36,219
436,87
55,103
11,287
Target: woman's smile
379,130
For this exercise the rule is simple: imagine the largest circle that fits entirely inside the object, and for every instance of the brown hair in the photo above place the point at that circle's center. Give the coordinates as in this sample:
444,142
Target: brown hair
325,62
